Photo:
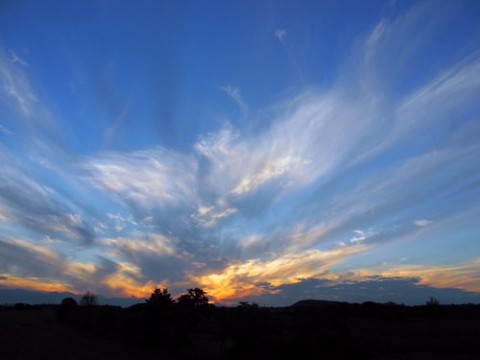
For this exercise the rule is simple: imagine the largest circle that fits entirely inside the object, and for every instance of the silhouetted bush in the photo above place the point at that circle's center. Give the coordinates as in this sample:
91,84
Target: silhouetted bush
67,309
69,302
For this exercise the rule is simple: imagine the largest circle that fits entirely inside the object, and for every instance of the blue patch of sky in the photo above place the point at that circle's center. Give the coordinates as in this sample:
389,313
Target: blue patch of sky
163,63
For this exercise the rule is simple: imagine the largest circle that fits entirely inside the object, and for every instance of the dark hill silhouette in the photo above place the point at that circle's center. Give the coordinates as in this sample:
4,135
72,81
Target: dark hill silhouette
13,296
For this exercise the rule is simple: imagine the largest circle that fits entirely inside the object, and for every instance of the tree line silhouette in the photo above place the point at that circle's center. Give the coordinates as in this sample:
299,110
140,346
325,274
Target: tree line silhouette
190,327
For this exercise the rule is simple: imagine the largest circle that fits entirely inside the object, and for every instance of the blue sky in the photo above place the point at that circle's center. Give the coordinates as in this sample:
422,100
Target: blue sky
270,151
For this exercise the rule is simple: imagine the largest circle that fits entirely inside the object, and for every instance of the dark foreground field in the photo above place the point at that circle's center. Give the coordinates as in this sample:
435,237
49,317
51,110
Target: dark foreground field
308,330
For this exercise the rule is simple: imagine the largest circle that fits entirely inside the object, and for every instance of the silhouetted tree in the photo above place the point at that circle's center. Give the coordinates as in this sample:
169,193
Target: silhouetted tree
194,297
432,302
69,302
432,308
67,309
88,299
160,297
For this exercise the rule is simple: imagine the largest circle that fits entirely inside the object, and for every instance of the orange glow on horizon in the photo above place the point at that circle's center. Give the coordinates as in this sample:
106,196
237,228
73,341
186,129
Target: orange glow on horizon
458,276
124,285
34,283
240,280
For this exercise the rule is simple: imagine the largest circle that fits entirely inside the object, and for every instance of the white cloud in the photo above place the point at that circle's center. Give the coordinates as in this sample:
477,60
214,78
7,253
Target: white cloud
15,84
16,59
360,236
5,130
209,216
280,34
151,178
4,214
375,36
120,222
308,140
422,222
251,240
147,243
234,94
304,237
458,86
268,171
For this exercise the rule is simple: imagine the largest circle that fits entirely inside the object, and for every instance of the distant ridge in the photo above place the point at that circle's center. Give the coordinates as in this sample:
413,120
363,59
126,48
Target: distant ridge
315,303
9,296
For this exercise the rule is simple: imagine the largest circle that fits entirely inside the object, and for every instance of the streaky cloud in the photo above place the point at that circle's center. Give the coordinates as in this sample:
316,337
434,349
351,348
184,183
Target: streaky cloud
16,86
235,95
151,178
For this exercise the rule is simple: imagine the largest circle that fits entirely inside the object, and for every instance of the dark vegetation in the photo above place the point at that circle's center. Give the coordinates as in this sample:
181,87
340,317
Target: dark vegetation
189,327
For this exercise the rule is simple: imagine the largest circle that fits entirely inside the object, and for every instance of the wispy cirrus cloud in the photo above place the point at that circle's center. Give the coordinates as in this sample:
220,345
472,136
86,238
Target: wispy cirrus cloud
30,203
149,178
209,216
235,95
16,85
16,59
4,130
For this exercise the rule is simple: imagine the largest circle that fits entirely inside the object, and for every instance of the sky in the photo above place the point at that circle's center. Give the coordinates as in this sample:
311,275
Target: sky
268,151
